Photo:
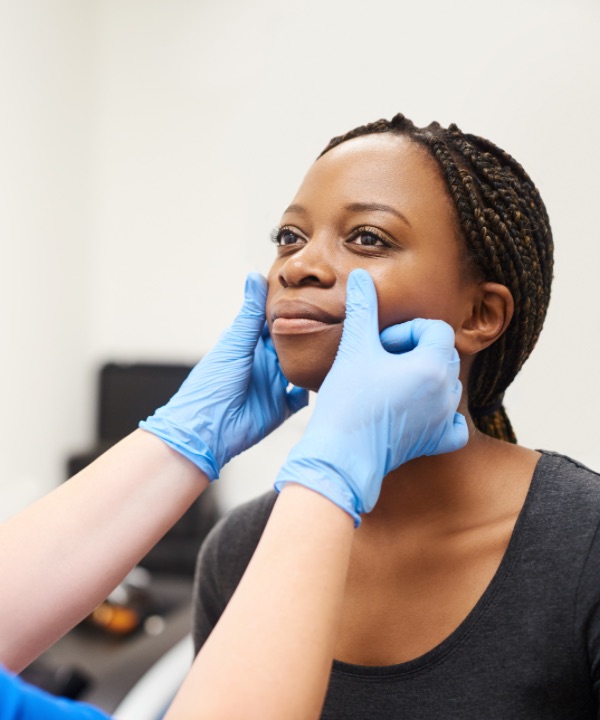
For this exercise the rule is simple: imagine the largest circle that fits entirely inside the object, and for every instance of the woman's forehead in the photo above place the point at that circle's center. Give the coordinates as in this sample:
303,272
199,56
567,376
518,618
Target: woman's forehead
378,168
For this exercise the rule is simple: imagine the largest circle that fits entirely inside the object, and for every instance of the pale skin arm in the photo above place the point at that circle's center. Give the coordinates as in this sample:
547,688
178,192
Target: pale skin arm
278,633
64,554
270,654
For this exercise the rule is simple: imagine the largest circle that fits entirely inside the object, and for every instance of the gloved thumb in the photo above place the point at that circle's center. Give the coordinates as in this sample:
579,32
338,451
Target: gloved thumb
248,325
361,322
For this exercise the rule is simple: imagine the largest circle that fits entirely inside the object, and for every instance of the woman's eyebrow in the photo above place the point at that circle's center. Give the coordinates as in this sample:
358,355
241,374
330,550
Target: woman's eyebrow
362,207
294,208
356,207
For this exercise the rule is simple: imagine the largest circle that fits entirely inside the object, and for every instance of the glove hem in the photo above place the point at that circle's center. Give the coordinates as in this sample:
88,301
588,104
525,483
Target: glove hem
343,501
203,458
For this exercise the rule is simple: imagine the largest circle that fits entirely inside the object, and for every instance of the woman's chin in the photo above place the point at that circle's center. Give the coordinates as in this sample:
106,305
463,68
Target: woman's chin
307,372
305,361
307,378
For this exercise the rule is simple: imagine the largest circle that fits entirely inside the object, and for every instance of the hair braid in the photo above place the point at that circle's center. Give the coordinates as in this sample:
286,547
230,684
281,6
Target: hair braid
508,240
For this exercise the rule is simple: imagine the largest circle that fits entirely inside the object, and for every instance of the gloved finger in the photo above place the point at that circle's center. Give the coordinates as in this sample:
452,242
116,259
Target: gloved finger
255,297
435,334
455,436
398,338
296,398
268,343
460,431
249,323
360,323
454,368
457,391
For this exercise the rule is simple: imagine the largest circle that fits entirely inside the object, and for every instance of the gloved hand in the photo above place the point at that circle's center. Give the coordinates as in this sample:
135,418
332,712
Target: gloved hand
376,410
234,397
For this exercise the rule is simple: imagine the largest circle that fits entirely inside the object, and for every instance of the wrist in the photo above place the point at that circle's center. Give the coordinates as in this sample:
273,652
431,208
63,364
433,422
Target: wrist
309,503
193,449
324,479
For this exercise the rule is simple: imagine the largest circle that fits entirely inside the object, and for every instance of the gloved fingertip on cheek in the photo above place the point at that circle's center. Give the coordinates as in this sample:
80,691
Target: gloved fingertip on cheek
361,305
360,285
255,291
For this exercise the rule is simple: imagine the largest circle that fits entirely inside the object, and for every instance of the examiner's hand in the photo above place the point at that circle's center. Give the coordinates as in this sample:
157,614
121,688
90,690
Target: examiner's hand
376,409
234,397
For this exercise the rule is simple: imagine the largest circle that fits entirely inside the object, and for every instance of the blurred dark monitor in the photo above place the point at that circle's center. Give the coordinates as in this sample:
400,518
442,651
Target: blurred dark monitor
128,393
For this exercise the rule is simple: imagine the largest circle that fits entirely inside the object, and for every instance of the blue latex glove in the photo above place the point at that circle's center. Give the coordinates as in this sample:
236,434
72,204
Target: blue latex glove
234,397
376,410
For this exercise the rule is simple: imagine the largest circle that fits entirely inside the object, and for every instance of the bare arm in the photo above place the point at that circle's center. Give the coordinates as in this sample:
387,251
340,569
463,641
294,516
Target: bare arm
270,654
68,551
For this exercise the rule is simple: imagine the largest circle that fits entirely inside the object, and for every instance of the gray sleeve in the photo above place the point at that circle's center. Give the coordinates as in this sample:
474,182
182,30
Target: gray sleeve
222,561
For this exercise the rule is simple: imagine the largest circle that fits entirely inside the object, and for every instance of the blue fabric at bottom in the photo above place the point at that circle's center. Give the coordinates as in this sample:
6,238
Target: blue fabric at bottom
21,701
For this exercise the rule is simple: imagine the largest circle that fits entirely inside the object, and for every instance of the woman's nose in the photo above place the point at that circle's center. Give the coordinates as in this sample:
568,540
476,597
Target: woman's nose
311,265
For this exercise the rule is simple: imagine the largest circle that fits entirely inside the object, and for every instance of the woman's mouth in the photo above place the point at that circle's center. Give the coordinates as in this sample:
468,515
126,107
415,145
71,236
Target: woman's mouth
298,325
299,318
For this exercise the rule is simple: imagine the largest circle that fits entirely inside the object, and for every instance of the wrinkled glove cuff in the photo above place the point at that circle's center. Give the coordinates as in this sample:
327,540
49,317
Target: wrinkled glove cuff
322,478
199,454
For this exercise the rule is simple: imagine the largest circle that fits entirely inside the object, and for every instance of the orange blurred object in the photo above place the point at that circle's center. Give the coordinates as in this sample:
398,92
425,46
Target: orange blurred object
115,619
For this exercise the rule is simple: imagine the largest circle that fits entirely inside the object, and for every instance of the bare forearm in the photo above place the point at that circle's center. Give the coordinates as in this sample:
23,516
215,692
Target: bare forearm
68,551
277,636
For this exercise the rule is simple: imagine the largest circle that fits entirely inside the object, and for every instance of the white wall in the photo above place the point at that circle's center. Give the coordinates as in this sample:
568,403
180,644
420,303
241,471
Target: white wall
45,134
151,145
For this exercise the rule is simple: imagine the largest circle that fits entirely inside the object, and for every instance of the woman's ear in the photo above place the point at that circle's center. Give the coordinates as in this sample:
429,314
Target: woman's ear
492,309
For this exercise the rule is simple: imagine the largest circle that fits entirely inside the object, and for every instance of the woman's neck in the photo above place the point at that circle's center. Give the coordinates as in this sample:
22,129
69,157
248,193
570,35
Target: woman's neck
484,482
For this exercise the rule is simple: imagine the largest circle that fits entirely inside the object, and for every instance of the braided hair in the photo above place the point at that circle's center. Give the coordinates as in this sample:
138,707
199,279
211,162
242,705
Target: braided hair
508,240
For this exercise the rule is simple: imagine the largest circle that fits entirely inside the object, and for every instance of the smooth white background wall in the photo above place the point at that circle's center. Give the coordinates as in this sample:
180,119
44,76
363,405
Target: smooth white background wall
148,147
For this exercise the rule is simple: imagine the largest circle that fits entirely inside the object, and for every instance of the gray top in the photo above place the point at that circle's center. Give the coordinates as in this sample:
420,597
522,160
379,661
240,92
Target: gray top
530,648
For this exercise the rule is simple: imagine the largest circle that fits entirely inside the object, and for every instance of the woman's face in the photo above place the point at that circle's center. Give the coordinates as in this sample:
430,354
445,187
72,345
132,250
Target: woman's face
375,202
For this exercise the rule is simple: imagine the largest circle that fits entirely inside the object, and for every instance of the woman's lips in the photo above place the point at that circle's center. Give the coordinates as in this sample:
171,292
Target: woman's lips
299,325
298,317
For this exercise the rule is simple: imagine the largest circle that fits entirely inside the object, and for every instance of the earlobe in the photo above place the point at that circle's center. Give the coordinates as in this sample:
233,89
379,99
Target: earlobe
492,309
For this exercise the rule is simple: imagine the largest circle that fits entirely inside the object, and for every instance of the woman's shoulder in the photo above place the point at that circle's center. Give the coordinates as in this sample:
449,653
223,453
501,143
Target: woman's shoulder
563,474
246,522
567,510
563,504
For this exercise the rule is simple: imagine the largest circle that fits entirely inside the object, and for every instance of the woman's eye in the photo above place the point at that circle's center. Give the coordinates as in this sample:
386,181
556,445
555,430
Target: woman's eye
285,236
368,239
